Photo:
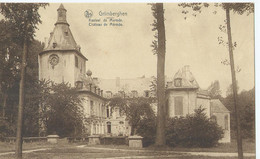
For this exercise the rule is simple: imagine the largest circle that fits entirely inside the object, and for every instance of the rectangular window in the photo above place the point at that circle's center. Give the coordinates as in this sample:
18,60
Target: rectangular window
178,104
226,122
108,127
91,107
167,108
99,110
178,82
76,61
107,111
81,68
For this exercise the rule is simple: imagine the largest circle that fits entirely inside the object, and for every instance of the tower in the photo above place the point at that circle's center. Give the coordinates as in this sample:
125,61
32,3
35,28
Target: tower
61,60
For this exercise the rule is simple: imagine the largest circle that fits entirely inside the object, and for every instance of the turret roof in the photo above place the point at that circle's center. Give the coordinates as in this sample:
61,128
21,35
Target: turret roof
61,38
186,78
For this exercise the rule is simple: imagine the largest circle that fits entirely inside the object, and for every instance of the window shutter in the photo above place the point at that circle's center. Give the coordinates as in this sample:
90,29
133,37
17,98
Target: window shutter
178,104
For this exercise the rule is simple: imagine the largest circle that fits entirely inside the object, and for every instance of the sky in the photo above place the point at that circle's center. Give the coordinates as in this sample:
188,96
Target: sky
126,52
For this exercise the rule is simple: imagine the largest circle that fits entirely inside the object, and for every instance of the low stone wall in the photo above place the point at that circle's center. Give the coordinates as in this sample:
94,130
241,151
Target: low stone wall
77,139
114,140
25,139
104,140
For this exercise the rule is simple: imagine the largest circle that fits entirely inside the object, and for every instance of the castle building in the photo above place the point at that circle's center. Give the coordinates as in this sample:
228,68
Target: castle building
184,95
62,61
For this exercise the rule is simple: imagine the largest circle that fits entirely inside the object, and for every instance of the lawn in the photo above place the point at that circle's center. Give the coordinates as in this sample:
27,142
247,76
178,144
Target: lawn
82,153
248,146
10,147
63,150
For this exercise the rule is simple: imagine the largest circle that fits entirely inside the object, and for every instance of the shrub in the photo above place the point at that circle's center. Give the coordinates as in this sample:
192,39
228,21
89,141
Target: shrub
6,129
195,130
147,129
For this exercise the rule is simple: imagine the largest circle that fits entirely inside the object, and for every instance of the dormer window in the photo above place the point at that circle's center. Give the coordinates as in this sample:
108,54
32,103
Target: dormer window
79,84
134,94
178,82
66,33
54,45
146,93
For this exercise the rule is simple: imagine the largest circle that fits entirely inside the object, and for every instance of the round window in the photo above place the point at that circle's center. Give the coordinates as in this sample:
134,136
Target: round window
54,60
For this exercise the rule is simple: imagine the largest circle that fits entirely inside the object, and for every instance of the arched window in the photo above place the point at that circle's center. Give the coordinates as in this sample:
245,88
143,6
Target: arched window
226,122
107,111
92,112
108,127
94,129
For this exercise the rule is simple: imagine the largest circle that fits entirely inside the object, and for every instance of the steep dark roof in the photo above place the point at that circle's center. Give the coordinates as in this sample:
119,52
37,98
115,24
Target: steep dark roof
61,39
217,107
188,81
203,92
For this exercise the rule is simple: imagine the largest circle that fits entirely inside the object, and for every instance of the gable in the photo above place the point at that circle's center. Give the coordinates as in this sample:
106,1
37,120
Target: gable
217,107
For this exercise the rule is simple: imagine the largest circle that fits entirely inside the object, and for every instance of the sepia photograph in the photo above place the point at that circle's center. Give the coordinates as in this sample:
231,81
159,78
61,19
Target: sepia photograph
127,80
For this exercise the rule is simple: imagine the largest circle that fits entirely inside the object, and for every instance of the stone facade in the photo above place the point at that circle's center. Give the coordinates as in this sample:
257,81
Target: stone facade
128,89
184,96
221,115
62,61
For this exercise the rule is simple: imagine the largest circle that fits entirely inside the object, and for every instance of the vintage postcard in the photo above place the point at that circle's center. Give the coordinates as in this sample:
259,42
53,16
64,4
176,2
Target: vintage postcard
127,80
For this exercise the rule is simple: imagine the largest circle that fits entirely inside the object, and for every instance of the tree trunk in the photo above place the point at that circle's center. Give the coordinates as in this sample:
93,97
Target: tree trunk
1,74
161,114
19,139
4,103
234,85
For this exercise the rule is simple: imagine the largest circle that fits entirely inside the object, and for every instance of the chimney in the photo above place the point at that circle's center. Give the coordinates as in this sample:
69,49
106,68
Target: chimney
90,87
98,89
95,89
186,68
95,80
